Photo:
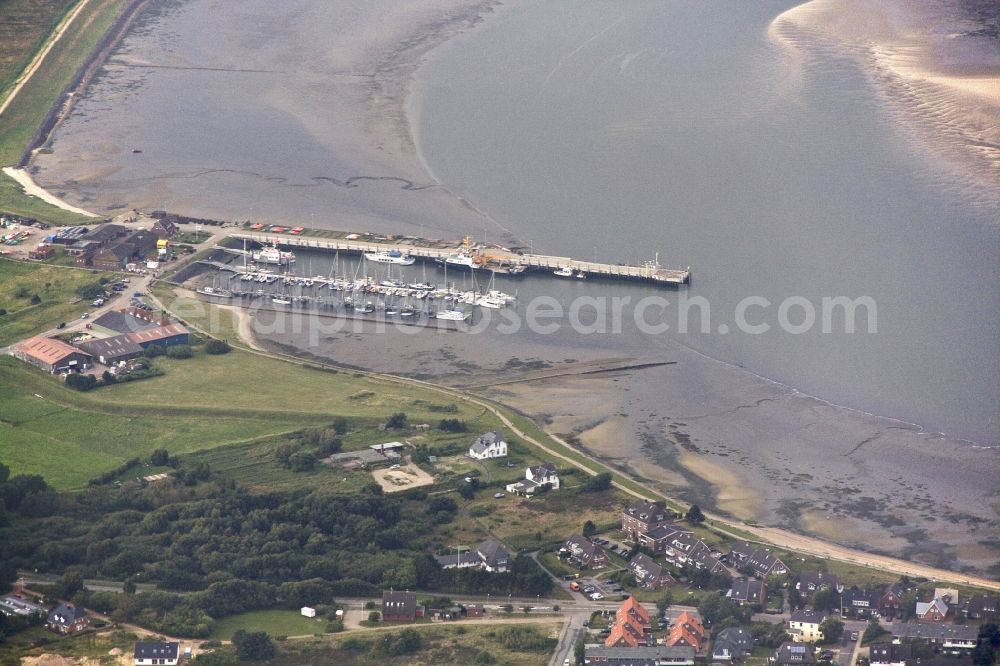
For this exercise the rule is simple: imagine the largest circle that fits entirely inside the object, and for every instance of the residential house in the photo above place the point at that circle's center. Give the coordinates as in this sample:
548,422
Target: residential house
489,445
644,655
687,630
935,610
584,553
793,654
982,607
953,638
157,652
890,654
642,516
811,581
51,355
164,228
891,600
536,478
804,625
857,603
631,627
732,644
762,563
748,591
648,574
67,619
489,556
113,350
681,548
400,607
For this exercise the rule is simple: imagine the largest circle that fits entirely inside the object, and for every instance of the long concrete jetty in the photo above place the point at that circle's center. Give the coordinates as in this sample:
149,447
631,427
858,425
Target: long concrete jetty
650,271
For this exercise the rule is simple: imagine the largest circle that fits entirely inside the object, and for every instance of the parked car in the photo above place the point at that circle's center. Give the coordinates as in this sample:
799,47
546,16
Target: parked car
62,324
596,596
85,315
826,655
499,495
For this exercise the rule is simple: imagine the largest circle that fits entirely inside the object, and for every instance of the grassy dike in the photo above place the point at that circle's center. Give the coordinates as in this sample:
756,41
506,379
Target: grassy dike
29,109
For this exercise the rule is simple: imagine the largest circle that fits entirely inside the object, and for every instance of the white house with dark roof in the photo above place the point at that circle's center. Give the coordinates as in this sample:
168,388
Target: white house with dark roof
156,652
536,478
490,555
489,445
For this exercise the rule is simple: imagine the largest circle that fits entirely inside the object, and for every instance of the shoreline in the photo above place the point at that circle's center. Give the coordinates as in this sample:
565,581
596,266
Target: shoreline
33,189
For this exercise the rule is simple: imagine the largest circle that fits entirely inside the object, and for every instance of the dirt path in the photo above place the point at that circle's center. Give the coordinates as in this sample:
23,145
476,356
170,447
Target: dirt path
36,62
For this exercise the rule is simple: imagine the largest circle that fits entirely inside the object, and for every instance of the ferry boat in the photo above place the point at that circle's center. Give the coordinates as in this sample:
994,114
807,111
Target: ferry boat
390,257
272,255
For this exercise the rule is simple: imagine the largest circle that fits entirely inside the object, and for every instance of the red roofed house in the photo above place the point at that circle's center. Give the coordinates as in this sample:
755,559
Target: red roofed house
51,355
688,631
632,627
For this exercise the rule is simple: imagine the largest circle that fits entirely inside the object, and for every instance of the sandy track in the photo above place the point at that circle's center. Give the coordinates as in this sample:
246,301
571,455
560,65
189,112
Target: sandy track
40,56
32,188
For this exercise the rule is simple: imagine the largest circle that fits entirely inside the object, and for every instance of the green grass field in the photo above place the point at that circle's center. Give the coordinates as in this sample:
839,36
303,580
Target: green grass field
274,622
54,285
71,437
200,403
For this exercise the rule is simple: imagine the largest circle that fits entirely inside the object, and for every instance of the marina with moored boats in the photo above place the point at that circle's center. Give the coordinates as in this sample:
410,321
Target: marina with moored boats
262,271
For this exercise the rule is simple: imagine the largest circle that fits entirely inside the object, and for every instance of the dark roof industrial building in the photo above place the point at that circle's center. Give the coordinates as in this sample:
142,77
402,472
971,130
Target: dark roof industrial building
112,350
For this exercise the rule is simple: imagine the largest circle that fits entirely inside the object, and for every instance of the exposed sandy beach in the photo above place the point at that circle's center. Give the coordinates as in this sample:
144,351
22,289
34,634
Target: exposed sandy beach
31,188
935,63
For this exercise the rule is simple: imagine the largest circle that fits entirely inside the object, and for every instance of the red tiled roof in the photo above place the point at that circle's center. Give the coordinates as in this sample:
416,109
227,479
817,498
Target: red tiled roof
158,333
620,637
47,350
631,607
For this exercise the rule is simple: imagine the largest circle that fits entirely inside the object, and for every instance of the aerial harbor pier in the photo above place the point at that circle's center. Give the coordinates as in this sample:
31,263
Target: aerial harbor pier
469,257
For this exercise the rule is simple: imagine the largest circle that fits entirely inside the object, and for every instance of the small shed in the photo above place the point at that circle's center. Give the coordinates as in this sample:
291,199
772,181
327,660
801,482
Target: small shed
308,612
